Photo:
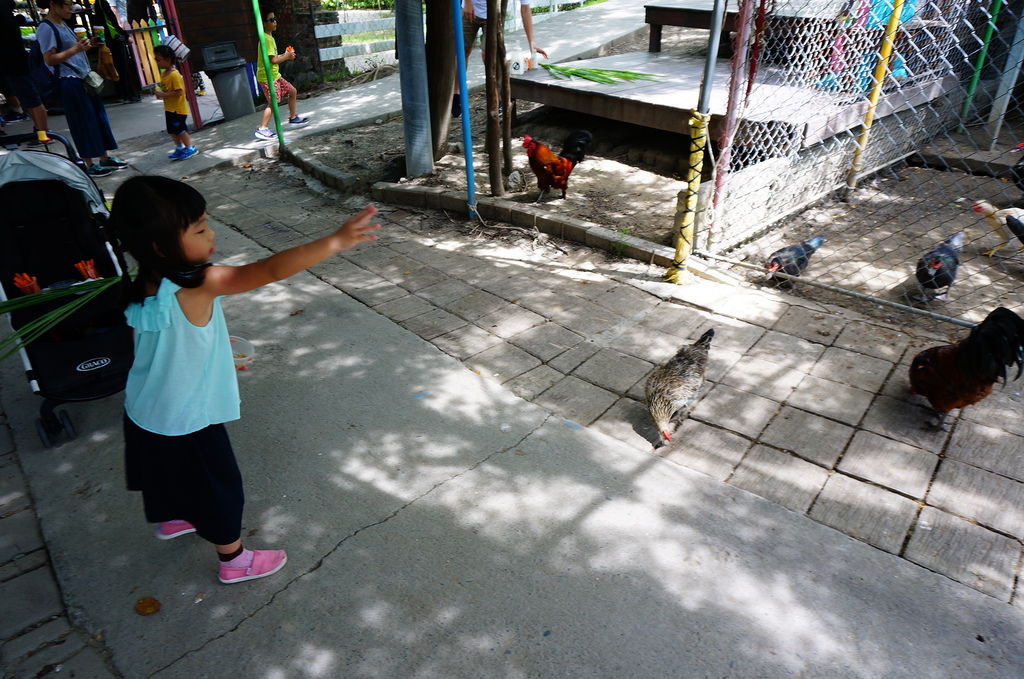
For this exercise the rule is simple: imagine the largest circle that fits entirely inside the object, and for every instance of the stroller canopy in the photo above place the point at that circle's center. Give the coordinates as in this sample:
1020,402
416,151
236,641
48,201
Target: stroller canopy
23,166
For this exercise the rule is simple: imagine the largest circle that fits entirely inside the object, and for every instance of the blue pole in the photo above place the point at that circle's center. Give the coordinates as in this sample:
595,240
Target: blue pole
467,138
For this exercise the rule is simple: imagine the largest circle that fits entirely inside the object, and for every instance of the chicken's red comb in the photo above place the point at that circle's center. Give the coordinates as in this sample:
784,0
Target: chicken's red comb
1018,147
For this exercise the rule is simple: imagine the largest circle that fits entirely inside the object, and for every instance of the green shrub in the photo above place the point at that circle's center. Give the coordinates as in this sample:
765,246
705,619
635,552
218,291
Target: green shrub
337,5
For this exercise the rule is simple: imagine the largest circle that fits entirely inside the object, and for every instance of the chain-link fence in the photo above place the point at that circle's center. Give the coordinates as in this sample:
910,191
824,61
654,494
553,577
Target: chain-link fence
884,171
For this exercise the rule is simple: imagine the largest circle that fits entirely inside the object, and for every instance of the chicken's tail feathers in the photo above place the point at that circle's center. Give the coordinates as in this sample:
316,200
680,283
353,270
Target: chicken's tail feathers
705,339
956,241
812,244
1016,227
576,145
993,345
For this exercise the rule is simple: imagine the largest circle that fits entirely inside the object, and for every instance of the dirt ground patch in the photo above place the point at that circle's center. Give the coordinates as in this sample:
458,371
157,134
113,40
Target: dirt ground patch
619,185
872,241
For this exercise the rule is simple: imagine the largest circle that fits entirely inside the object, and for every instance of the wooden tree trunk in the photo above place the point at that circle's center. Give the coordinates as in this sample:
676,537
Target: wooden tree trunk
506,96
492,53
441,71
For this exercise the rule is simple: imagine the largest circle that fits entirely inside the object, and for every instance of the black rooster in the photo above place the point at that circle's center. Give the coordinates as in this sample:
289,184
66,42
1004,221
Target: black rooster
793,259
937,268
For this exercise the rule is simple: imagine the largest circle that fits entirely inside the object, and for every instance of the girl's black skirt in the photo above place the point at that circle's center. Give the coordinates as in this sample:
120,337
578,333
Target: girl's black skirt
193,477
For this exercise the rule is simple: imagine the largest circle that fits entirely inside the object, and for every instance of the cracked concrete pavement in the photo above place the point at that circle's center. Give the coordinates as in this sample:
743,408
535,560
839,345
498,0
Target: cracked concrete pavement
438,525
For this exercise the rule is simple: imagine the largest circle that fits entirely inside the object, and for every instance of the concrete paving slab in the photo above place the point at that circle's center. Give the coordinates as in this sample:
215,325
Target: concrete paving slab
831,399
47,646
466,341
779,477
675,319
965,552
988,448
810,324
18,534
798,353
628,421
623,297
991,500
404,308
28,600
502,362
509,320
647,344
475,305
889,463
432,324
852,368
547,340
809,436
873,340
869,513
613,370
13,492
905,421
569,360
706,449
576,399
735,410
533,382
1002,409
770,379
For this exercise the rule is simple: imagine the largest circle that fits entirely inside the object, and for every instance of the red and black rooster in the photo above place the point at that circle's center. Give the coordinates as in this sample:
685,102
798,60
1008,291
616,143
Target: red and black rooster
553,169
962,374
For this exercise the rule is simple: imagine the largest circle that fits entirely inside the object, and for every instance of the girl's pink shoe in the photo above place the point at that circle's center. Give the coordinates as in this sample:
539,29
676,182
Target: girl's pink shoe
172,529
264,562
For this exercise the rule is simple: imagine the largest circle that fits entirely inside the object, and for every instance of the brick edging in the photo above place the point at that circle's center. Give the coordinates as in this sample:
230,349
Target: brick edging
529,216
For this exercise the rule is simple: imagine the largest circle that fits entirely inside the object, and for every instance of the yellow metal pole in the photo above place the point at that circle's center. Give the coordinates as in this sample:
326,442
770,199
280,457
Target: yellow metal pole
686,210
878,79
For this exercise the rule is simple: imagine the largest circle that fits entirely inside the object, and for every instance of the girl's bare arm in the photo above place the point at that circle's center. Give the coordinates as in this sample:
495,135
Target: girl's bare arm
230,280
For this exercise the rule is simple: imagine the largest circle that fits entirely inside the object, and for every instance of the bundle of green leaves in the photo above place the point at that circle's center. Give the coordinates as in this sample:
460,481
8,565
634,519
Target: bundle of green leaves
83,293
605,76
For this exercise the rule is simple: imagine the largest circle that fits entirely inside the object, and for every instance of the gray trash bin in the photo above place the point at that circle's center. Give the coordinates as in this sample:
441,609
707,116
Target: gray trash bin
230,79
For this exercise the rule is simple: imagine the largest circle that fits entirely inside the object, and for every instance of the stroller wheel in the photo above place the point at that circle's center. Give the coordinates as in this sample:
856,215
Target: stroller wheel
65,422
44,436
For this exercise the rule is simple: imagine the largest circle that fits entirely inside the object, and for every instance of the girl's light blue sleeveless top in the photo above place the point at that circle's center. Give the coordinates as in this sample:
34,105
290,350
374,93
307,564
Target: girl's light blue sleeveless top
183,378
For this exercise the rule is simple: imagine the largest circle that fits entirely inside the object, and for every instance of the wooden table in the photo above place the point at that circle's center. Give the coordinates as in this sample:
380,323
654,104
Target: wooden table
697,14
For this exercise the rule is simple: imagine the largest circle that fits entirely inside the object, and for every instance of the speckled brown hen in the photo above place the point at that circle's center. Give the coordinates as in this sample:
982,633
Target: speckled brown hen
672,388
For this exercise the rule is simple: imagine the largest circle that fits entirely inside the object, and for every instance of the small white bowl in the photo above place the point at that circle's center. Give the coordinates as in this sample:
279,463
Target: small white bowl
243,352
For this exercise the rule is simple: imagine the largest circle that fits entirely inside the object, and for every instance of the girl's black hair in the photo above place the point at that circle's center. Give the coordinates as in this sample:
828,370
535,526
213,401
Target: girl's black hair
148,217
166,52
265,9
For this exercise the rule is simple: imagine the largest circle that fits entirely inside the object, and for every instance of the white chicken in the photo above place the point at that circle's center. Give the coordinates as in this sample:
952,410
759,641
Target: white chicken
997,221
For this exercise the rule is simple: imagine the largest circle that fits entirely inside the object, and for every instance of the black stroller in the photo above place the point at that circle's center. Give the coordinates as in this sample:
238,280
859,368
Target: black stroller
51,226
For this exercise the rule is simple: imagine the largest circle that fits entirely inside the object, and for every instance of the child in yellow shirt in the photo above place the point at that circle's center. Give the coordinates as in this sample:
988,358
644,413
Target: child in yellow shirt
172,93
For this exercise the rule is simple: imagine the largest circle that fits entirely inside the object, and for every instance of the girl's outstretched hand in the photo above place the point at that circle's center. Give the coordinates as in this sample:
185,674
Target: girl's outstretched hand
356,230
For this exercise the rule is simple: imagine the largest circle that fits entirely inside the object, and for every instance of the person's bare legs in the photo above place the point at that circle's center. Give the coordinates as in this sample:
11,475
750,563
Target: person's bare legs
292,106
39,118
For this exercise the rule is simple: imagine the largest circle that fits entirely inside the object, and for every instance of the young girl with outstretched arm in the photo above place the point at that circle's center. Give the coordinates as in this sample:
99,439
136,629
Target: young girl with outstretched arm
182,385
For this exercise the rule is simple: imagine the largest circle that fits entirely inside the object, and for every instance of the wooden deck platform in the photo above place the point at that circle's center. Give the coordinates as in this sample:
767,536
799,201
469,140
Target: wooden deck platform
805,115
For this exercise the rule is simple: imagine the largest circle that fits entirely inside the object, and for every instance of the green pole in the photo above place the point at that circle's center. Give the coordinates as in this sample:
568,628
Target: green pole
989,30
265,58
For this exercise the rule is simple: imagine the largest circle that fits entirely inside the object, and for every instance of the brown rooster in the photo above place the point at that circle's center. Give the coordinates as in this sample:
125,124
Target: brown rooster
962,374
671,388
553,169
